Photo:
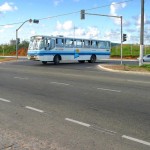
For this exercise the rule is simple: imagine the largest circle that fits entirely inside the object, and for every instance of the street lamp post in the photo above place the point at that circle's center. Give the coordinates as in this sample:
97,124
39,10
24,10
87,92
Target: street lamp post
121,38
142,34
30,20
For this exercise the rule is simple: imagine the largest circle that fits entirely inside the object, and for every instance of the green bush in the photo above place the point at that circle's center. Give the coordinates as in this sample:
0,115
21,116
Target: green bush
11,49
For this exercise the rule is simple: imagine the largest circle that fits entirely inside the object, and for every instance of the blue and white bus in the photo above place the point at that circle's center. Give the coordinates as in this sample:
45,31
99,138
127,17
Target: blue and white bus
58,48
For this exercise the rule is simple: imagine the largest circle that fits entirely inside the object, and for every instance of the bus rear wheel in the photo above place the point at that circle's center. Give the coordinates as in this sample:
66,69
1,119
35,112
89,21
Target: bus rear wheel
56,59
44,62
92,59
81,61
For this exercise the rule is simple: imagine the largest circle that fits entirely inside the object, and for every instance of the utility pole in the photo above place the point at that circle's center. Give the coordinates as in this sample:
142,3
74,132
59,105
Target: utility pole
121,38
142,34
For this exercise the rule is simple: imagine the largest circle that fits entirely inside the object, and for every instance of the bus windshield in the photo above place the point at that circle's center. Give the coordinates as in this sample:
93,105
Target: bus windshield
36,43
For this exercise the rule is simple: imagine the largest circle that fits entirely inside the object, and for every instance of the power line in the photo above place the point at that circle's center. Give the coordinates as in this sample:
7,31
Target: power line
85,10
66,14
110,4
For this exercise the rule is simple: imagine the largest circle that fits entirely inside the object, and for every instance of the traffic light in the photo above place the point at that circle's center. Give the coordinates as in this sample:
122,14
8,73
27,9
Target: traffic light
82,13
35,21
18,40
124,37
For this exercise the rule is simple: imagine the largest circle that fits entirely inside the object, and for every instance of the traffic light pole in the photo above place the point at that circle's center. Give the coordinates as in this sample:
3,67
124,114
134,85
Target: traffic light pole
83,17
16,43
30,20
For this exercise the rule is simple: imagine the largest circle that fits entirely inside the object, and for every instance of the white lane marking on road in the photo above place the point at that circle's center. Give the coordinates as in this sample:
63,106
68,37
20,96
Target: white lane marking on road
92,127
35,109
103,130
4,100
78,122
21,78
136,140
138,81
60,83
111,90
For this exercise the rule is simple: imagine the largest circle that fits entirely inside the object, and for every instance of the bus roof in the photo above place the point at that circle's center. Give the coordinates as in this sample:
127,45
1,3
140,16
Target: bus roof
61,36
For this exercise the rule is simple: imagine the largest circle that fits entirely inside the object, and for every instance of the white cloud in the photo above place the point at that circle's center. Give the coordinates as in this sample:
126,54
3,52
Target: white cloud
69,29
114,7
57,2
68,25
2,30
112,35
92,32
58,26
32,32
138,20
7,7
79,32
8,26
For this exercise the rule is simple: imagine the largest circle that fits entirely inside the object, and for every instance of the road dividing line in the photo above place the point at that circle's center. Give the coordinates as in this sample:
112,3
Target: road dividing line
78,122
21,78
136,140
60,83
35,109
92,127
109,90
103,130
4,100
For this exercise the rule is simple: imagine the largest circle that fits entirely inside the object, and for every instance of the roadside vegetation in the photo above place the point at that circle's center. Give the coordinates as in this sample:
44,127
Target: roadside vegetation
10,50
128,50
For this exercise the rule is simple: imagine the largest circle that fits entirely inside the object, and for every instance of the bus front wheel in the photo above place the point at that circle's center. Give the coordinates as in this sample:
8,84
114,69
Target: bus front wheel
56,60
92,59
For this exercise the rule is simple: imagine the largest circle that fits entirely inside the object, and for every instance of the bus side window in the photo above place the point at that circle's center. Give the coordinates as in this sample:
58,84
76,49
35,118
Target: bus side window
52,43
60,42
47,46
86,43
78,43
94,44
69,43
107,44
101,44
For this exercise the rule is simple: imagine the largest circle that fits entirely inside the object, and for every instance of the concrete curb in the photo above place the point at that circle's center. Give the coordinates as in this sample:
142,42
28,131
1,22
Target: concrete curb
120,71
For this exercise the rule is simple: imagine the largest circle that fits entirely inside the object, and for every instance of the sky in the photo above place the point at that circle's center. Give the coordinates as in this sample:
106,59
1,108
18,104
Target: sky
62,17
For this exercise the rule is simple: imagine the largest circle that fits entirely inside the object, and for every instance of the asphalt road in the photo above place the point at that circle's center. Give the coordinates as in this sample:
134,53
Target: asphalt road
75,106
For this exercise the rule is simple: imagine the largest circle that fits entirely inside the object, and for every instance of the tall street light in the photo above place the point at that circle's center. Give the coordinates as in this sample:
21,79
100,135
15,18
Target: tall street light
142,34
17,39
